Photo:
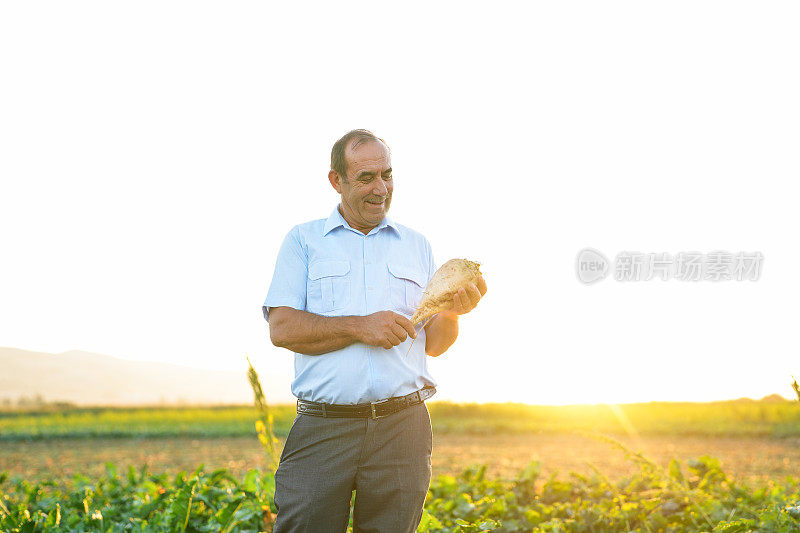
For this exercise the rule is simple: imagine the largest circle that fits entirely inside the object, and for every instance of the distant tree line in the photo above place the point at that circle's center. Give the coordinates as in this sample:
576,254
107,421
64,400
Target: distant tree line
36,401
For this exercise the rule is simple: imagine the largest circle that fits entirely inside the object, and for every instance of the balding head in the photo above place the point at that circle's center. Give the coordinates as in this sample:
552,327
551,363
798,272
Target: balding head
350,141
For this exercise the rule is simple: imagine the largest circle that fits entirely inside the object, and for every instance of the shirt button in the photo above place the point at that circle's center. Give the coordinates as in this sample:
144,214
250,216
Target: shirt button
368,263
369,288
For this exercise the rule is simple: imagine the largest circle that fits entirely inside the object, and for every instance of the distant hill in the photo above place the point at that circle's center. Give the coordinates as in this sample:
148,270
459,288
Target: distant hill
85,378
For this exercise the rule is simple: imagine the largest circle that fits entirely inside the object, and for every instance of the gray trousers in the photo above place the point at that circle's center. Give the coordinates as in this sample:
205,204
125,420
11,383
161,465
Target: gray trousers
386,461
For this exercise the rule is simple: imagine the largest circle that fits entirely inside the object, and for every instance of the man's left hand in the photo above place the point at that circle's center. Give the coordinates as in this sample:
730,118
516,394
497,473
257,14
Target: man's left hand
467,298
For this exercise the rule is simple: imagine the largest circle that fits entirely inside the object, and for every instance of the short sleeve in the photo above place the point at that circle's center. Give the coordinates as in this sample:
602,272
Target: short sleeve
288,286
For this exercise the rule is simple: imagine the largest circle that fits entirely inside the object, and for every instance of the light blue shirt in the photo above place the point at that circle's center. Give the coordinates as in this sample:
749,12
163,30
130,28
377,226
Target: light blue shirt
328,268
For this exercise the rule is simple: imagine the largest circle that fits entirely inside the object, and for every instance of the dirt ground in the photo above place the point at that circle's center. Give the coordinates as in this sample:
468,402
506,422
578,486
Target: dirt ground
749,459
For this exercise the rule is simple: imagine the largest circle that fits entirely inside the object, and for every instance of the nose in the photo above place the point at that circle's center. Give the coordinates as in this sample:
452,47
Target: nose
380,188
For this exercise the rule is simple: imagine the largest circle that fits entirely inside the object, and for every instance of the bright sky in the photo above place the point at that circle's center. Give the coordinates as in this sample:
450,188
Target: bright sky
154,154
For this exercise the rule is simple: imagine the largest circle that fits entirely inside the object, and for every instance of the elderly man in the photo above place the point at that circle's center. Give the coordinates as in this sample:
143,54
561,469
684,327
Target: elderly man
340,299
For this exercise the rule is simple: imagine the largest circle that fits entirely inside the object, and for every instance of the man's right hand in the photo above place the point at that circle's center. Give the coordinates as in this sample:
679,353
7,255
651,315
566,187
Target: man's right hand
386,329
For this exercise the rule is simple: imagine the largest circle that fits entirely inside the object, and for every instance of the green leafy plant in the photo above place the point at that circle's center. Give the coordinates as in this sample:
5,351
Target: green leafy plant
685,497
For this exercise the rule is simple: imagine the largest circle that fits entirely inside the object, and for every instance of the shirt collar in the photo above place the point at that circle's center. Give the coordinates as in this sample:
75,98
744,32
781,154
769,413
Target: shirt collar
335,220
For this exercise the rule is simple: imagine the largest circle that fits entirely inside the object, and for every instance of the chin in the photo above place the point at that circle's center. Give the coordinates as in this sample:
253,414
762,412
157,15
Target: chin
369,214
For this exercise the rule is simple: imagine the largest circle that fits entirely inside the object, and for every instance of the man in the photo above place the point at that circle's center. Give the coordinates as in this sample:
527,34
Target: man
340,298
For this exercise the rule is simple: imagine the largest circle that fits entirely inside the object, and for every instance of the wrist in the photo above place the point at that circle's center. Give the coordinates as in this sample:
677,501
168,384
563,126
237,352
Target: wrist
353,327
449,316
444,319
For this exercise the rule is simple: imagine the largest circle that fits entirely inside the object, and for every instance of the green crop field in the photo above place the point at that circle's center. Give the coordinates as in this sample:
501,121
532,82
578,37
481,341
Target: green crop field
697,494
743,418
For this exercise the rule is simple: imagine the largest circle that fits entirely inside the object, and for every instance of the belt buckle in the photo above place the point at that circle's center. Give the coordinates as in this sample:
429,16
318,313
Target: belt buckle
372,405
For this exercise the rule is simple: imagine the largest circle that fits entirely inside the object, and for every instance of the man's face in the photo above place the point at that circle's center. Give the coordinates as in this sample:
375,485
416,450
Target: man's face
367,193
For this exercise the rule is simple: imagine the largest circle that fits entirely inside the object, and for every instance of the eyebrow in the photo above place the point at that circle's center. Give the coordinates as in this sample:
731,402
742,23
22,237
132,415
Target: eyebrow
369,173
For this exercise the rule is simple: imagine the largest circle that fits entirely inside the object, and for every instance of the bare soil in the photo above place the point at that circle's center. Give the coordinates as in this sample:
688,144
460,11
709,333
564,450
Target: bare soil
749,459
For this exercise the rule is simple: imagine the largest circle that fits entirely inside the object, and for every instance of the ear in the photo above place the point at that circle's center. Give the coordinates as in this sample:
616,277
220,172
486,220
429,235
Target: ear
336,181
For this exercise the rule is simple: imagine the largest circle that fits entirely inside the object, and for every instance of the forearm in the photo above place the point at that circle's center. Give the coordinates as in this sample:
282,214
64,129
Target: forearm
310,334
440,333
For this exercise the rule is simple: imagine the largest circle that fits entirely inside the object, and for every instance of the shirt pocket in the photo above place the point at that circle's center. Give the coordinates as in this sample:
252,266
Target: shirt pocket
328,286
406,285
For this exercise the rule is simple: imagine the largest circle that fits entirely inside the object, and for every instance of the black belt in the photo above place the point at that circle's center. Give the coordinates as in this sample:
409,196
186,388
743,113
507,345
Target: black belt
374,410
